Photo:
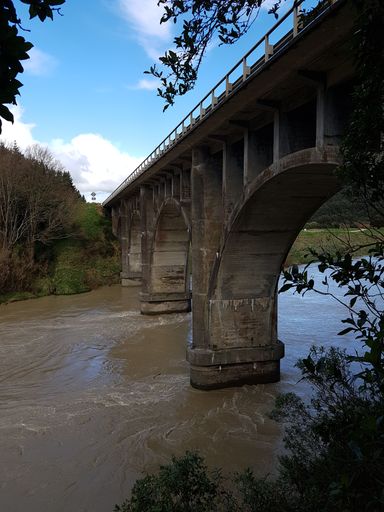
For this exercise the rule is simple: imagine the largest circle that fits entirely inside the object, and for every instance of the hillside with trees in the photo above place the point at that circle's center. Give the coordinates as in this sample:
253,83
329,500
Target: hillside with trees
51,240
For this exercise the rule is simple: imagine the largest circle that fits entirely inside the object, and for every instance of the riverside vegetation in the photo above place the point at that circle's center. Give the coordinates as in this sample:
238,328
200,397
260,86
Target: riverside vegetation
51,240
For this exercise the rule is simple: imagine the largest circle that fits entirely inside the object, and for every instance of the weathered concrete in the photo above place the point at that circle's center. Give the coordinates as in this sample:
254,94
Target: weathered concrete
227,197
166,286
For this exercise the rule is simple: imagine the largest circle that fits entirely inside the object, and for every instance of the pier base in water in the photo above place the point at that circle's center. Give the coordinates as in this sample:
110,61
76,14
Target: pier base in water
214,369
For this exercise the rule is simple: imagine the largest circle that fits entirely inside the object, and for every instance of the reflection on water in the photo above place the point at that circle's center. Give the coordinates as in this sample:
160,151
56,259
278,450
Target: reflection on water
92,394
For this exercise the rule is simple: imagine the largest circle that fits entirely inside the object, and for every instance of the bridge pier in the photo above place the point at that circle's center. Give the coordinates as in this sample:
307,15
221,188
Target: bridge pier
234,339
129,231
166,303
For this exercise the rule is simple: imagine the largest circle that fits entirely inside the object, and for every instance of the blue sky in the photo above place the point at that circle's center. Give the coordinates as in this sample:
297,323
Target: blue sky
85,95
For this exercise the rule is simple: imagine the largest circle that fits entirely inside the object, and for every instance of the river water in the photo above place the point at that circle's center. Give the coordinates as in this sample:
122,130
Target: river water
93,394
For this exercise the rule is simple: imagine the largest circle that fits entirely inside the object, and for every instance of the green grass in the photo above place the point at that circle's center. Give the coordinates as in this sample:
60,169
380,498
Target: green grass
16,296
325,240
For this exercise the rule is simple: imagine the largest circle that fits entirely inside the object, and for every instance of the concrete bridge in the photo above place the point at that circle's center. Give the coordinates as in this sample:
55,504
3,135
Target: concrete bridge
227,192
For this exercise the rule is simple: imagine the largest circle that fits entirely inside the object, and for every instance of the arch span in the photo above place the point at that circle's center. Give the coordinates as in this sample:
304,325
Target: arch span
241,308
168,284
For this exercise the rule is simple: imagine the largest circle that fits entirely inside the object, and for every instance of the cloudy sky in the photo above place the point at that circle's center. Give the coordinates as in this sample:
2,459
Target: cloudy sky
85,95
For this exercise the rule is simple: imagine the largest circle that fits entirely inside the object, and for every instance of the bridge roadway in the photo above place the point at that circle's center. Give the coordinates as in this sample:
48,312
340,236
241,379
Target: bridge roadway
227,192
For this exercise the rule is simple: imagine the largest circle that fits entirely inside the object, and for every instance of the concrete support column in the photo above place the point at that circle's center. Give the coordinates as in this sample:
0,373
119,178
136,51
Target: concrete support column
134,252
115,217
207,223
130,236
124,241
233,178
258,149
167,188
147,215
280,135
185,185
332,112
320,115
159,195
176,179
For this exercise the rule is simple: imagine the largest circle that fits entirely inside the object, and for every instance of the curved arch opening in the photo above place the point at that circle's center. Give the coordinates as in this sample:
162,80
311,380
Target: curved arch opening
243,298
169,269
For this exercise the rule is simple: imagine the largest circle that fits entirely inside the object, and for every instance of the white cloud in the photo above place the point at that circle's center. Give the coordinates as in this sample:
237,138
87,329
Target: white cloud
95,163
39,63
18,132
283,5
143,16
146,84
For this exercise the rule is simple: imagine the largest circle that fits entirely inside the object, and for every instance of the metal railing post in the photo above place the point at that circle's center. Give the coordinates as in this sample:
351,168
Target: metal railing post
268,48
246,69
297,21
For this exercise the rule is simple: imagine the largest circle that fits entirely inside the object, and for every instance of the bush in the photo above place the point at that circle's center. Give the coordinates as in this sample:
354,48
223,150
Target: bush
90,221
185,485
68,281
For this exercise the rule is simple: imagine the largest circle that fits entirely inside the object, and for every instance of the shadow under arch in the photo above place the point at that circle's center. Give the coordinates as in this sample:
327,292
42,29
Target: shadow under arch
168,287
243,286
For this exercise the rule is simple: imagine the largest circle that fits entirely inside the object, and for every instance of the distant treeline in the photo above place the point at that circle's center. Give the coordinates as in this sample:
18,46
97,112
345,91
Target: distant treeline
340,211
44,224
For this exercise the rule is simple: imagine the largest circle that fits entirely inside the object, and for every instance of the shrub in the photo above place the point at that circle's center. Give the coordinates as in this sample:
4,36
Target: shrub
184,485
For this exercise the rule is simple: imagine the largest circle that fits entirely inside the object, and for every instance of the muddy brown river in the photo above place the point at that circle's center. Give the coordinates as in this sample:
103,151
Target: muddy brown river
93,394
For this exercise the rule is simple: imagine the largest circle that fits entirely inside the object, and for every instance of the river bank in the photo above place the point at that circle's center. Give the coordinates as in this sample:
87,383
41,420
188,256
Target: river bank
83,261
83,265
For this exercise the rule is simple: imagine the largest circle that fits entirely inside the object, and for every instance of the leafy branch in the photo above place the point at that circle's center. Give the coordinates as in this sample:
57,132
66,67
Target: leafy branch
227,19
14,47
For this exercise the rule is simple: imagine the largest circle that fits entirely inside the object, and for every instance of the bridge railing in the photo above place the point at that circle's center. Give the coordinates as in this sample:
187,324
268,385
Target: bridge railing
245,68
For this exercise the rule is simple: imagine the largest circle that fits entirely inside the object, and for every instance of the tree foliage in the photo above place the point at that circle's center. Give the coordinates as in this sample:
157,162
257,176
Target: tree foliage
14,47
363,145
201,21
185,485
37,199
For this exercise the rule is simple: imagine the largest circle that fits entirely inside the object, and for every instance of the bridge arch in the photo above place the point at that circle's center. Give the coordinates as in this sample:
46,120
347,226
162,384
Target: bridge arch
168,288
242,294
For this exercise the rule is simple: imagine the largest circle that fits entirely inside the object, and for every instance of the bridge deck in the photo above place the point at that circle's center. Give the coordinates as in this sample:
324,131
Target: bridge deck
249,79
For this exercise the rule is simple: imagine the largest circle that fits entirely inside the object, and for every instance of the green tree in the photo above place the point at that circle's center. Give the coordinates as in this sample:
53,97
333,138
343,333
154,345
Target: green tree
14,47
36,207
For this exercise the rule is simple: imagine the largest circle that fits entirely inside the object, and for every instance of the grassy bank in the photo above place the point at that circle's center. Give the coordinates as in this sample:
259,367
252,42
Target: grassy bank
325,240
79,263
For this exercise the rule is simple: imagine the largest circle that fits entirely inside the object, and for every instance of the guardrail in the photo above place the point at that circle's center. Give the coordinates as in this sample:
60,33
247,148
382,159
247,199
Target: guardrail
225,87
